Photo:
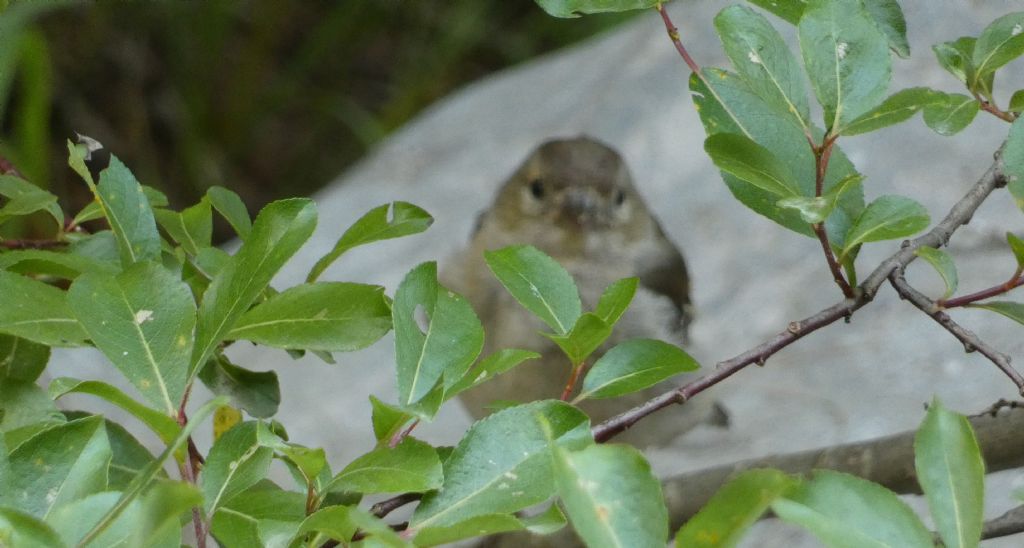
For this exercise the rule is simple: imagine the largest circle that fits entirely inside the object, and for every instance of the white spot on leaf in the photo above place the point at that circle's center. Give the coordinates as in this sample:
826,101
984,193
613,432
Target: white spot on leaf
143,315
1017,29
841,49
754,57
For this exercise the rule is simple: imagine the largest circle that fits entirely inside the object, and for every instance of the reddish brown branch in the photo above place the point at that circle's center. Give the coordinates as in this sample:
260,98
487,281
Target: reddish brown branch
970,341
1016,281
673,34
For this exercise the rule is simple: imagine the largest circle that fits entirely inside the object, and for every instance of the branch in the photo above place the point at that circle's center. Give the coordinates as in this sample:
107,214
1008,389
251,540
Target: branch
1010,523
1016,281
888,461
938,236
970,341
673,34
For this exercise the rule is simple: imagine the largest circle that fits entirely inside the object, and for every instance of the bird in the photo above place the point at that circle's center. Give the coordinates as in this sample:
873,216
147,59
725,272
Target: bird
575,200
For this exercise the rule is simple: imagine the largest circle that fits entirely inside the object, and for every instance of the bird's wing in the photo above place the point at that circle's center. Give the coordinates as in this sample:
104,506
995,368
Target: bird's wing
665,273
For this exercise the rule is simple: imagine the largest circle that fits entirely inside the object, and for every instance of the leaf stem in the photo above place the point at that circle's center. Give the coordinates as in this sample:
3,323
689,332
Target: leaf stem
577,369
991,108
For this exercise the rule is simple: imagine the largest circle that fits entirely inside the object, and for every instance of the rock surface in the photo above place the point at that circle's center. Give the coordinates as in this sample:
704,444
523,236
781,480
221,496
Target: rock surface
751,277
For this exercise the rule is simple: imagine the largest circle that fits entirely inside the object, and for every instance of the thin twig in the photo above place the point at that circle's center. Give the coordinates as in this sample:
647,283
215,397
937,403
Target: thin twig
938,236
1016,281
32,244
385,507
673,34
970,341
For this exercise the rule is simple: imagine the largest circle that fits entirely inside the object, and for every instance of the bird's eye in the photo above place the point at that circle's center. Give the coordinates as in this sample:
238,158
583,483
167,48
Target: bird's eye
537,188
620,197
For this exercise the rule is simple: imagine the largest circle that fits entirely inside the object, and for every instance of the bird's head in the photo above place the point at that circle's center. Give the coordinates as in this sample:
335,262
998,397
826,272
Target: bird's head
579,186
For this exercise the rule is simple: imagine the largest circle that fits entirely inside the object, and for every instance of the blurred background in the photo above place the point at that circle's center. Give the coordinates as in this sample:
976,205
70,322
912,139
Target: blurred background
270,99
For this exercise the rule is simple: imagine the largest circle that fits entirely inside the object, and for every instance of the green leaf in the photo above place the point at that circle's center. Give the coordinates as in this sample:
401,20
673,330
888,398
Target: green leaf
333,522
331,316
387,419
812,210
575,8
788,10
1000,42
730,107
280,229
53,263
950,113
192,228
887,218
21,529
59,465
888,15
129,457
22,405
101,246
23,198
259,515
634,365
502,464
235,462
955,56
385,222
615,299
490,367
472,528
341,523
142,321
611,496
129,214
146,522
589,333
37,311
751,162
943,264
847,511
232,208
446,345
847,59
1013,161
952,474
734,508
1016,101
1014,311
817,209
545,523
539,283
21,360
411,466
898,107
257,392
152,470
1016,245
764,61
162,425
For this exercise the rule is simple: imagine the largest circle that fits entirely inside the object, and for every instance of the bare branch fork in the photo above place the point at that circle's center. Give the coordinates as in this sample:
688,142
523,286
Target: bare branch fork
938,236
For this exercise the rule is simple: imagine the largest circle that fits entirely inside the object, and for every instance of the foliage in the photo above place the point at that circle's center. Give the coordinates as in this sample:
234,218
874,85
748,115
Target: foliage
162,304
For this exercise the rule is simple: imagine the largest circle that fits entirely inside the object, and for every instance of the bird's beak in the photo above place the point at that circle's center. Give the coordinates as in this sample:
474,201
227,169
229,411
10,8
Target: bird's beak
581,205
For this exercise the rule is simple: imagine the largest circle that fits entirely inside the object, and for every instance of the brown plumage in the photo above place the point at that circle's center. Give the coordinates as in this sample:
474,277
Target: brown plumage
575,200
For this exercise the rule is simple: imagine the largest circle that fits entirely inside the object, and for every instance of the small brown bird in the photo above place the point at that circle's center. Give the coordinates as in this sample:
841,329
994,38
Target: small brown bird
575,200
